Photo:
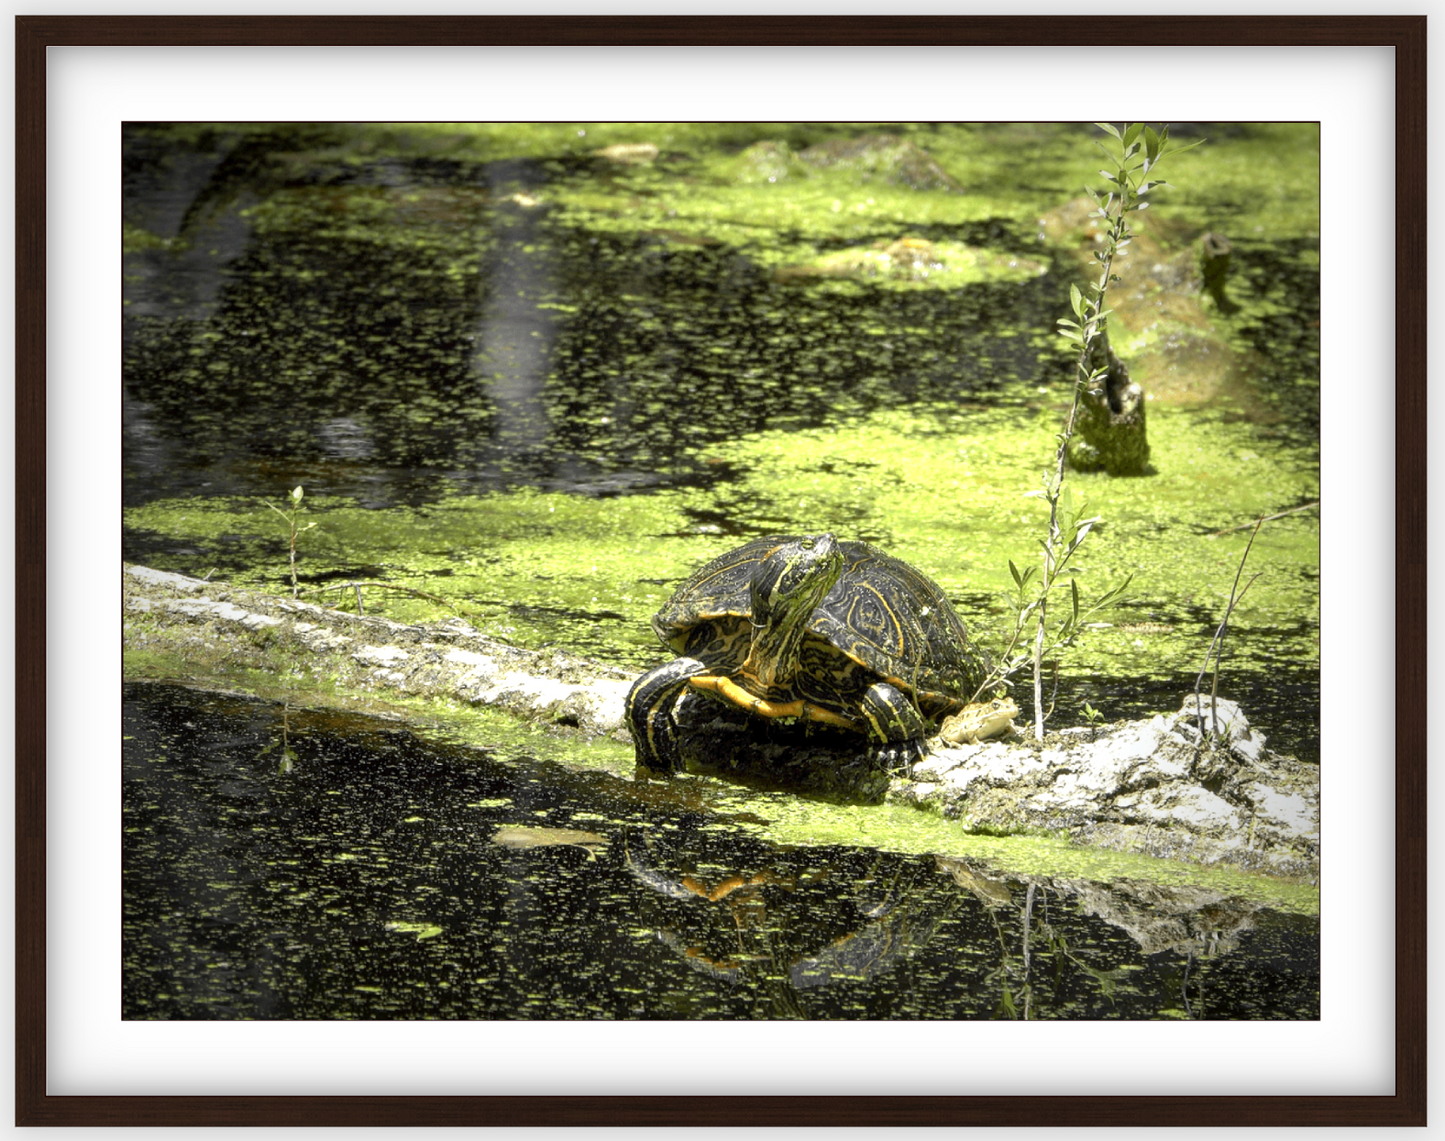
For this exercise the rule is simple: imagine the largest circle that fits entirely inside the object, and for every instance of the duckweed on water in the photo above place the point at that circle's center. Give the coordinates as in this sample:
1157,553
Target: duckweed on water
550,568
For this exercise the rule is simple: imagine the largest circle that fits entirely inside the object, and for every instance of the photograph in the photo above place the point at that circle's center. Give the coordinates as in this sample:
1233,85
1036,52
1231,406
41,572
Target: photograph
712,570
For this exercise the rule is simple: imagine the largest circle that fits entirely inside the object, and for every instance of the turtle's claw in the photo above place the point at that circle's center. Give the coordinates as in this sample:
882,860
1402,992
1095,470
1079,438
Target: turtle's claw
900,756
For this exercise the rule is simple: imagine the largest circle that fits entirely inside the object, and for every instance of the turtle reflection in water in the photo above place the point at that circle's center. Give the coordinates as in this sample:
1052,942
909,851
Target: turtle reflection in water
815,629
796,925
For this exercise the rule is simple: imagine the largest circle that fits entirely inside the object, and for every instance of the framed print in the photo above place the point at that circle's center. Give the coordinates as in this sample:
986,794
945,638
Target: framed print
107,103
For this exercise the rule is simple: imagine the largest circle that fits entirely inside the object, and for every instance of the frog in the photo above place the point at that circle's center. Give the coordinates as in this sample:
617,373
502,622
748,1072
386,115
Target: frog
979,721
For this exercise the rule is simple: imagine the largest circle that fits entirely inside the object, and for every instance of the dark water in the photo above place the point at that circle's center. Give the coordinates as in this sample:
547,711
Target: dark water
397,328
281,864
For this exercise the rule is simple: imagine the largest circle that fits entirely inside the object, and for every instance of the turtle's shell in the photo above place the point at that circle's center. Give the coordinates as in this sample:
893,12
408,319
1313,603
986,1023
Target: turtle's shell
881,614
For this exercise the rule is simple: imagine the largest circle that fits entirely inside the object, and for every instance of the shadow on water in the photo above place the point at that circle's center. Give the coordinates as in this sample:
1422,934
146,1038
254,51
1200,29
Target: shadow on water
285,864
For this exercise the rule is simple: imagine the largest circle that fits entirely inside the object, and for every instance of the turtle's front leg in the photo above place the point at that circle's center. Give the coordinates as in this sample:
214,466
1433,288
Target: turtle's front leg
649,714
895,723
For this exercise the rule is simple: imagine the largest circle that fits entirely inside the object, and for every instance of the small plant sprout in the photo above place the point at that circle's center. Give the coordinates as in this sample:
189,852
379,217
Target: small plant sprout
292,518
1133,153
1036,635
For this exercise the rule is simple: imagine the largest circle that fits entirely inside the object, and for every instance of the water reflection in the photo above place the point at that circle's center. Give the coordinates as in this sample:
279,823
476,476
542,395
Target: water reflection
517,331
289,864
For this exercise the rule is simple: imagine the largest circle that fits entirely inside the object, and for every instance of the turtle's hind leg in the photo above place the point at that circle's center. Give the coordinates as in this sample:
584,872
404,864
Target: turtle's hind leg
649,714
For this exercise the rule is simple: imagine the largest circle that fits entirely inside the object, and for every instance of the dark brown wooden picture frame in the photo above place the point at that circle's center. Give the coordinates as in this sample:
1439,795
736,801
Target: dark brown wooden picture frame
1405,34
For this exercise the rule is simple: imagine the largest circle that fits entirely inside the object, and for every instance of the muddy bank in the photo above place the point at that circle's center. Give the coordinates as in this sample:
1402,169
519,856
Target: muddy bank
1159,786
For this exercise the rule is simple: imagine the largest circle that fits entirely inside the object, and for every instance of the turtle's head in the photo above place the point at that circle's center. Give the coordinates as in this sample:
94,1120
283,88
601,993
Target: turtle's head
787,586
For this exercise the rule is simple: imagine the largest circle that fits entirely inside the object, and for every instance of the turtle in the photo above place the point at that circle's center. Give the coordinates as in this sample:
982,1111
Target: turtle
811,628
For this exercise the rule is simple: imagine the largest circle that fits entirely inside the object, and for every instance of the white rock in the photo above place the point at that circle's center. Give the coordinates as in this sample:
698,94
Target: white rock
1285,809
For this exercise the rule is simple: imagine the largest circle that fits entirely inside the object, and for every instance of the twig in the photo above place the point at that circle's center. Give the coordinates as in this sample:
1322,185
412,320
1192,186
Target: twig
1217,645
1266,519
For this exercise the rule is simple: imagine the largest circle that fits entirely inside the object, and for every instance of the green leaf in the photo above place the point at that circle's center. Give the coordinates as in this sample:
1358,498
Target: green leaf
1108,128
1076,299
1151,143
1131,132
1066,501
1116,592
1074,597
1180,150
1018,578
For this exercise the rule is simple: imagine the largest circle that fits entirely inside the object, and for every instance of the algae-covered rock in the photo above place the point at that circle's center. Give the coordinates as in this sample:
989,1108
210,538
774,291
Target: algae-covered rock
769,161
912,261
1164,307
889,157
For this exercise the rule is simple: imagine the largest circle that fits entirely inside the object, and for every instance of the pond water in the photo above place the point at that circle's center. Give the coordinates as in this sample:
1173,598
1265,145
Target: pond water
535,374
285,864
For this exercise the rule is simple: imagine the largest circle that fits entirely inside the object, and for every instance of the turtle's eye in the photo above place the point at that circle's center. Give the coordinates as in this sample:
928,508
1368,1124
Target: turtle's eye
807,544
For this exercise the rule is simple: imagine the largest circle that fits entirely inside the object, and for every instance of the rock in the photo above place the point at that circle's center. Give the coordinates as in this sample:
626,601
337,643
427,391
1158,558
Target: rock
632,154
1158,786
767,161
1164,306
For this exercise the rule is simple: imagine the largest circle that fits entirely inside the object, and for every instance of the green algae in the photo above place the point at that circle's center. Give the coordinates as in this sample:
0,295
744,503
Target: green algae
800,822
403,264
948,490
1264,176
